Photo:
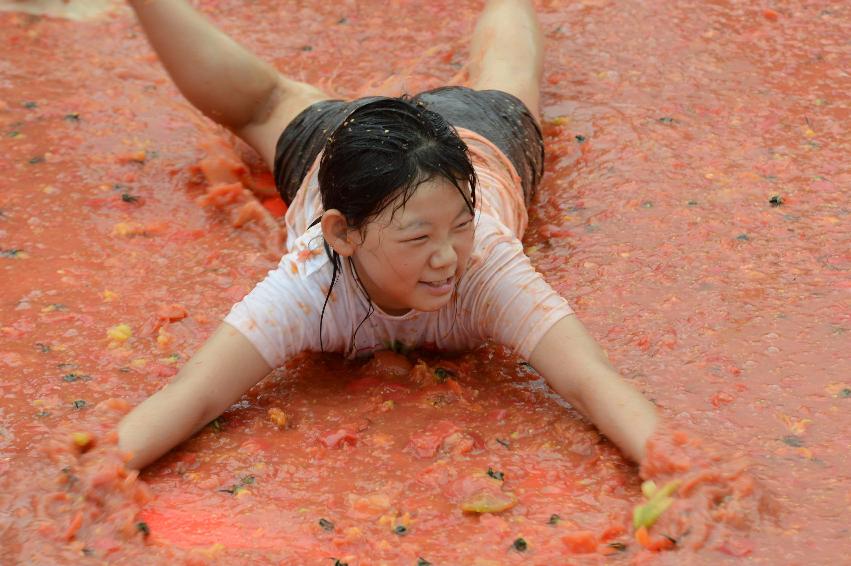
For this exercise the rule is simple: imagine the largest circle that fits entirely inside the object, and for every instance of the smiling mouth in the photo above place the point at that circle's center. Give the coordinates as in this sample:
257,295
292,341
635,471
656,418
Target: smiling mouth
440,282
440,287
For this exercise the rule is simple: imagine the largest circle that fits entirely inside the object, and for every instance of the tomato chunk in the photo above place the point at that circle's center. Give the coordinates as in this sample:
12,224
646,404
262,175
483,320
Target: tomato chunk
339,439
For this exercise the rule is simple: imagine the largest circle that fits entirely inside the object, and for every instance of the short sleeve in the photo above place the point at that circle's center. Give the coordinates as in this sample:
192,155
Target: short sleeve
507,300
280,316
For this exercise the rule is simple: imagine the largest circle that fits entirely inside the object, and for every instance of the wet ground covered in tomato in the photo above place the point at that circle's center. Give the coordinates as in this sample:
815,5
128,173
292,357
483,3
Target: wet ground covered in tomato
694,213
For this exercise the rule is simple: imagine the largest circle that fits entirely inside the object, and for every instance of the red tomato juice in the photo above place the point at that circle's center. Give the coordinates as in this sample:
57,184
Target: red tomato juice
694,213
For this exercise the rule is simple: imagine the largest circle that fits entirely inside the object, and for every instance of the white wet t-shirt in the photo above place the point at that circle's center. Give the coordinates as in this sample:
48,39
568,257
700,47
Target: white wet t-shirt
500,297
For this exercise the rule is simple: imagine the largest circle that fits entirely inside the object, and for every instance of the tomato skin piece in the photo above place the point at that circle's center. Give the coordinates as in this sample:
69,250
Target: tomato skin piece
74,526
612,531
161,370
220,195
339,439
654,544
387,362
425,444
275,206
172,312
580,542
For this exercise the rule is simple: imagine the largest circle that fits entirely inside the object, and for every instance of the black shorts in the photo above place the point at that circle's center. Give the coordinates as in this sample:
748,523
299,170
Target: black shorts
498,116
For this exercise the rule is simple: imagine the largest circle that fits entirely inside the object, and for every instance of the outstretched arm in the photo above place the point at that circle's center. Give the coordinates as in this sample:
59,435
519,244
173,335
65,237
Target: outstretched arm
577,369
224,368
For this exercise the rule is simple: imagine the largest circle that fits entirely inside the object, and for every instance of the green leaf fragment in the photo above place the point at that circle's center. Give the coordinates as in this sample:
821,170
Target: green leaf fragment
668,489
659,499
143,528
496,475
79,404
792,440
646,515
72,377
554,519
520,544
441,374
326,525
239,487
423,562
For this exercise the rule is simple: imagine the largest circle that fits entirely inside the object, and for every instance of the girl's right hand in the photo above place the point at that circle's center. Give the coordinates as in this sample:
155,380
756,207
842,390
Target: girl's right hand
225,367
698,495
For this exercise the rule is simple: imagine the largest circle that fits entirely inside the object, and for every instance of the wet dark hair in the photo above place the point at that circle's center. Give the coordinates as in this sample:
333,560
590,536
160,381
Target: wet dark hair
383,150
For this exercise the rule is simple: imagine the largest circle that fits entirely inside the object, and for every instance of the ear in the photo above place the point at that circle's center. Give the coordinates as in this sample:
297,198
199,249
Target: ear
335,230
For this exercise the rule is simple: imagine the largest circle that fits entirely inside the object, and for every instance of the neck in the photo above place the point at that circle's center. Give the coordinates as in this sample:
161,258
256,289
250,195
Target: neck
372,291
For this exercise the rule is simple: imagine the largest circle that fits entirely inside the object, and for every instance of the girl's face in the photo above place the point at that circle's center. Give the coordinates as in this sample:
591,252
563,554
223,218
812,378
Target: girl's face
414,258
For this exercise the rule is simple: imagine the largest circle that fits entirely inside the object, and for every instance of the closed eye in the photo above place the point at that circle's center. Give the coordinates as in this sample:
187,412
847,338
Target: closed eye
465,224
417,239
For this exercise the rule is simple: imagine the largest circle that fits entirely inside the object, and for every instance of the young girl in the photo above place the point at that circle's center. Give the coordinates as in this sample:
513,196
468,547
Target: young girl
403,227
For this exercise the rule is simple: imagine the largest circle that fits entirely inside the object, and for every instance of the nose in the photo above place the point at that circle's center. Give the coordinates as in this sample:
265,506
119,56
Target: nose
444,256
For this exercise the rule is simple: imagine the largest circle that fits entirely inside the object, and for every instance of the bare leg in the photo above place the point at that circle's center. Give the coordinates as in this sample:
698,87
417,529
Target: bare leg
78,10
221,78
507,51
